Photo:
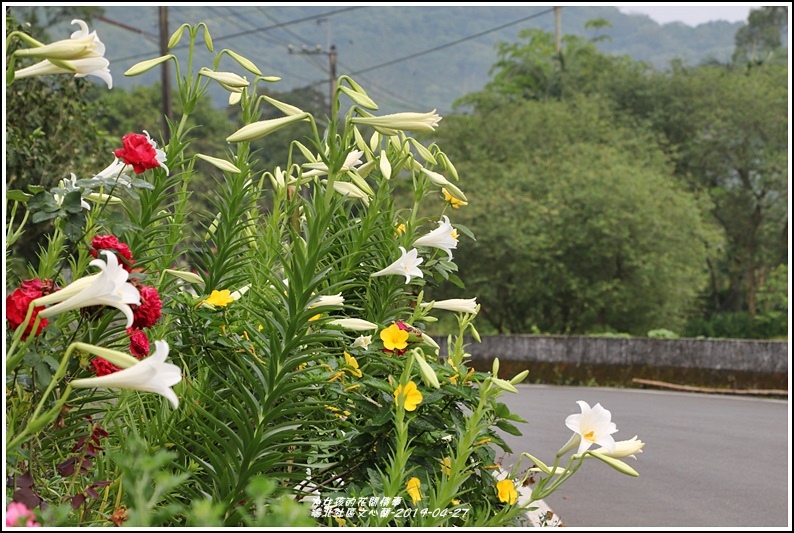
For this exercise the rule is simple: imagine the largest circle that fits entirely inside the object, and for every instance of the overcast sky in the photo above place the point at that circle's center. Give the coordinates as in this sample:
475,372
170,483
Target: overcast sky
692,14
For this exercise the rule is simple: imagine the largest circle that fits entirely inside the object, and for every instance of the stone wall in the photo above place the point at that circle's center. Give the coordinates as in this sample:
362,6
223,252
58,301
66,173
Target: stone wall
714,354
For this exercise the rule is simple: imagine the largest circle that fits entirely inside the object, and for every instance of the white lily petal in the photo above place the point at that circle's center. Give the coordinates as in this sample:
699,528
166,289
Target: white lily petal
355,324
594,426
152,374
443,237
457,305
110,288
407,265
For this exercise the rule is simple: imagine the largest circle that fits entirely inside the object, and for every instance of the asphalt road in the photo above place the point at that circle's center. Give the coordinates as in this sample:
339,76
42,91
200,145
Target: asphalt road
708,461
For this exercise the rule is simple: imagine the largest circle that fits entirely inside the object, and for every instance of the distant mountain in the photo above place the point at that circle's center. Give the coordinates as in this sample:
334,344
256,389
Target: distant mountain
407,57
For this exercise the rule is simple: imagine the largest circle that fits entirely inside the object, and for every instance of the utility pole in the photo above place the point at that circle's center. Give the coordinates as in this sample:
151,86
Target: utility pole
165,74
557,27
332,69
331,53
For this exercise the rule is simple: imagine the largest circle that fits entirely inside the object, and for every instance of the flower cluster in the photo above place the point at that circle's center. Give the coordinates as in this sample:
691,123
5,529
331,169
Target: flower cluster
399,337
18,303
145,314
18,515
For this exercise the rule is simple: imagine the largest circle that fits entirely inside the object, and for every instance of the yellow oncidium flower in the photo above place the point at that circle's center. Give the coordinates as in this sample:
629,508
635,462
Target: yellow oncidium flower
411,397
455,502
412,486
336,376
394,338
219,298
507,492
352,365
399,230
451,200
446,465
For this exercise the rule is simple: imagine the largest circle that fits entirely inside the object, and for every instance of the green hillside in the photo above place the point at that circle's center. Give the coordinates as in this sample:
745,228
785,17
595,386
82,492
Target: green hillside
409,57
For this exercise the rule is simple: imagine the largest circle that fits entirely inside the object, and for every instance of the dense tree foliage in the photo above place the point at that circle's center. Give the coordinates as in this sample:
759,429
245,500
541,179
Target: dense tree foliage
580,226
724,132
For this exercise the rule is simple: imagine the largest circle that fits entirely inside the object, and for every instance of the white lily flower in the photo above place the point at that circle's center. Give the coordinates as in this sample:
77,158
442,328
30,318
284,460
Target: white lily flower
457,305
159,155
84,52
444,237
228,80
117,170
345,188
152,374
70,185
594,426
110,287
336,300
624,448
407,265
363,341
352,160
236,295
355,324
401,121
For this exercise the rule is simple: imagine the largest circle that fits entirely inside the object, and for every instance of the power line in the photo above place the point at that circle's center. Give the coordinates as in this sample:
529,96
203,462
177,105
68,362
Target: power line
453,43
266,28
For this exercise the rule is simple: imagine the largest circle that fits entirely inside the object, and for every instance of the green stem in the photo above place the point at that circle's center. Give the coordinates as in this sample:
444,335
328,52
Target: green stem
11,360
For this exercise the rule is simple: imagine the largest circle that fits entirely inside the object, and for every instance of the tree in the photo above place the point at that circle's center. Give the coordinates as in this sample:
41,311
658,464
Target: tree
727,133
580,225
761,39
532,69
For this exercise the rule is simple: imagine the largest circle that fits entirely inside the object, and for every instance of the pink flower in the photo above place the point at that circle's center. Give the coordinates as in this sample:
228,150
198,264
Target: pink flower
147,314
141,152
110,242
18,515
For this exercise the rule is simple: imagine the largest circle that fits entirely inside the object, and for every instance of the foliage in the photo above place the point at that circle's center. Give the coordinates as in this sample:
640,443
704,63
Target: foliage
723,128
48,138
761,39
727,133
275,396
582,224
433,79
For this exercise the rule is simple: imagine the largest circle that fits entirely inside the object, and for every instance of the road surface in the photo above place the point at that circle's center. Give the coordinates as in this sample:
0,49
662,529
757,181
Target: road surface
709,460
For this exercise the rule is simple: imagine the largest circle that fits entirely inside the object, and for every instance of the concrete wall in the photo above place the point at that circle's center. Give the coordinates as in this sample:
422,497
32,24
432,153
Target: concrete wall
716,354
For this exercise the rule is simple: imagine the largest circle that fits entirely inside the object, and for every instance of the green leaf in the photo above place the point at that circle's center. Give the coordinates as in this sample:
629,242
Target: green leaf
507,427
17,196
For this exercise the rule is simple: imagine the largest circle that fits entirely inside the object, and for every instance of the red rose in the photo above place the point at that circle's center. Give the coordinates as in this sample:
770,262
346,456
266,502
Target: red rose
139,343
138,151
110,242
103,367
147,314
17,304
